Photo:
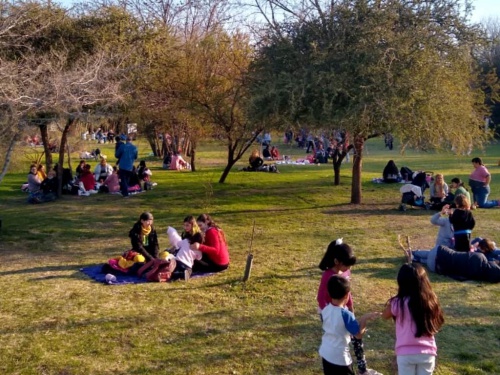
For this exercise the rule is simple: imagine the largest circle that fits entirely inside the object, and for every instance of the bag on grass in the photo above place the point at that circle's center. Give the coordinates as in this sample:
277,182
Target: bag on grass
158,270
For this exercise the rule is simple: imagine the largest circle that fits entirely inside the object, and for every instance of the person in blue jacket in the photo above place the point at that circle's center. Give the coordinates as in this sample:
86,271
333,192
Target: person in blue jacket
127,155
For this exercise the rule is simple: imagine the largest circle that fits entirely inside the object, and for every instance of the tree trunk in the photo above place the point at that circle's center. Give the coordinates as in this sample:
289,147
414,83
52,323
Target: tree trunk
338,157
226,172
193,156
8,156
357,164
230,162
64,140
44,132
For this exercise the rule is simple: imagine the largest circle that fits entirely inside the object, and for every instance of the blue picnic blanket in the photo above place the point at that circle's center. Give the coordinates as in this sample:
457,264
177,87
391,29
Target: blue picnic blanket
95,272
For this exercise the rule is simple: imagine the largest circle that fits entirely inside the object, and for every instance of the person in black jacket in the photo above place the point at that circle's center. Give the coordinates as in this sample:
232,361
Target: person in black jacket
144,238
391,173
463,223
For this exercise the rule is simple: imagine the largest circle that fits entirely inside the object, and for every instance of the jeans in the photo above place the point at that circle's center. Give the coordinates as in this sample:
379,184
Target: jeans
124,178
480,194
426,257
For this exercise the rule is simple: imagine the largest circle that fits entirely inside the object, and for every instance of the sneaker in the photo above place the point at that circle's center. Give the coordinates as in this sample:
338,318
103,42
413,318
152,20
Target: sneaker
370,371
187,274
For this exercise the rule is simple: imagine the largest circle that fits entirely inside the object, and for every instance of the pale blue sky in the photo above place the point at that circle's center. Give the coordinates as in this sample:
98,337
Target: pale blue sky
484,9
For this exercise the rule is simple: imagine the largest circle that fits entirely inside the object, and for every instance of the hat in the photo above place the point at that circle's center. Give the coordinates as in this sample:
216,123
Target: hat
123,137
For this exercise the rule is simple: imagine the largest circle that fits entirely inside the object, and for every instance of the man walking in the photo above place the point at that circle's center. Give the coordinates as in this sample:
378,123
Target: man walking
126,154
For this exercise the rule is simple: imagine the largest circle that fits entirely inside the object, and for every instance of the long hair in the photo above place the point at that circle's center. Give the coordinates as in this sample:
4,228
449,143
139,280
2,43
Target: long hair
415,289
194,225
462,202
340,251
205,218
439,186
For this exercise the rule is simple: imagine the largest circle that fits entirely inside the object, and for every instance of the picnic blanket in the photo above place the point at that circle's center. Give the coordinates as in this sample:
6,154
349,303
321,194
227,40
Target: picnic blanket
95,272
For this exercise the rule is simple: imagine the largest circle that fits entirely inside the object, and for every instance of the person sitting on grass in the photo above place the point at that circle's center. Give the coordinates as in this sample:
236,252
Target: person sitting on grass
112,183
390,173
458,188
49,187
34,183
178,163
439,191
183,255
102,170
86,182
214,247
444,238
275,154
144,238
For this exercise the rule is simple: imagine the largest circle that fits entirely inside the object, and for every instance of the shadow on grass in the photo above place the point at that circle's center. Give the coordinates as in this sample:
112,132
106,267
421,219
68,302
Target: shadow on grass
46,269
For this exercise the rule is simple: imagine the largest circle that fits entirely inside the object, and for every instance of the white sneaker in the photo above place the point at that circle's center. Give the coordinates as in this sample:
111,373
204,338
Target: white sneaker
370,371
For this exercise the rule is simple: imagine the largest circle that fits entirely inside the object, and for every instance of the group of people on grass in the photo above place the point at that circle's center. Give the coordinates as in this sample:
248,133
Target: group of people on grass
203,248
441,193
479,182
124,177
415,310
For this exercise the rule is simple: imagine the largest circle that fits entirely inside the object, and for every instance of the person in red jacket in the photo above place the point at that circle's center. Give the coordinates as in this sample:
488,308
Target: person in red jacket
215,255
87,181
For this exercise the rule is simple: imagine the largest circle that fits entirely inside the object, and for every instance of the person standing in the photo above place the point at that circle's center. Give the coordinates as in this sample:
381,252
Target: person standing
463,223
339,324
126,154
417,314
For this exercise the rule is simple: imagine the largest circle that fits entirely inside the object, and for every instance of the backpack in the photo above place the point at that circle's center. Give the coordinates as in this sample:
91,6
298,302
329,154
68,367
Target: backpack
158,270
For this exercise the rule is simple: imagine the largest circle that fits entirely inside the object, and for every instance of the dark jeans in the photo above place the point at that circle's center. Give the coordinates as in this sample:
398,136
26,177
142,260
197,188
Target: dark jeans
124,178
179,271
480,194
331,369
206,265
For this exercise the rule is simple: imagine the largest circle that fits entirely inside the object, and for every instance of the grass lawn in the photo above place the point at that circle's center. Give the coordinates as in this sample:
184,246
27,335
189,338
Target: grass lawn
57,321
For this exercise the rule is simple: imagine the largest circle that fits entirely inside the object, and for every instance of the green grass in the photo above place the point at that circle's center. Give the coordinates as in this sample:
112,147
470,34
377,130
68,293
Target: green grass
57,321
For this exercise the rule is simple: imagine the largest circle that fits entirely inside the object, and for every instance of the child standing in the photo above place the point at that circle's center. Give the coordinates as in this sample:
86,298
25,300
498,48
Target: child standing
463,222
339,324
418,318
338,260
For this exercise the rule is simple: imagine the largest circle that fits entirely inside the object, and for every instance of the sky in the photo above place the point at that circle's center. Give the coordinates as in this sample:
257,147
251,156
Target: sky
484,9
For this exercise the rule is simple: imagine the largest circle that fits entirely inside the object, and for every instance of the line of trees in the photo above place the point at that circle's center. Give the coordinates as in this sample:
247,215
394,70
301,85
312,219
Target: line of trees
225,69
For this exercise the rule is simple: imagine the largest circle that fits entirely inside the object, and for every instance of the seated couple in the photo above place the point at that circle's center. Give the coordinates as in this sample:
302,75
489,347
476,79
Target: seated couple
201,247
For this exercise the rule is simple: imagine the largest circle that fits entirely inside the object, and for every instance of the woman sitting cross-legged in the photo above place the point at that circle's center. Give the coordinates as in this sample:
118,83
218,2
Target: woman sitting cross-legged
439,192
86,182
112,183
144,238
